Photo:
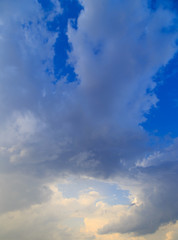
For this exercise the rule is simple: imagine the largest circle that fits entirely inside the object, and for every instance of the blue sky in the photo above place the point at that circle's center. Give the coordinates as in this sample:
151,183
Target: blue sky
89,112
162,120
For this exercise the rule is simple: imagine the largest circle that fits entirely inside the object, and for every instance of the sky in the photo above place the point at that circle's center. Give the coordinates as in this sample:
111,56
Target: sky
88,123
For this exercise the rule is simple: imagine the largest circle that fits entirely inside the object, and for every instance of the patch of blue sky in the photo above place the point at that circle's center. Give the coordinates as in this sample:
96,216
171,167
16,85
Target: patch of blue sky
109,192
171,4
47,5
163,119
70,11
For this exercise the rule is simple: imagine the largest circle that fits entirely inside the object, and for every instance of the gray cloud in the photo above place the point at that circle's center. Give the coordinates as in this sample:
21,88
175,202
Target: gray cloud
116,51
154,194
115,70
89,128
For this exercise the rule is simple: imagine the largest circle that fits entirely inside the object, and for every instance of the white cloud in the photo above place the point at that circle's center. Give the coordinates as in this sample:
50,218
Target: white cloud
71,218
58,218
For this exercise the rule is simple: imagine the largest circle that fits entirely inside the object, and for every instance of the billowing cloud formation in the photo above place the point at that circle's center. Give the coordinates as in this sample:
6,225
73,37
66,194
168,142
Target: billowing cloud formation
116,51
154,199
90,126
114,69
26,53
70,218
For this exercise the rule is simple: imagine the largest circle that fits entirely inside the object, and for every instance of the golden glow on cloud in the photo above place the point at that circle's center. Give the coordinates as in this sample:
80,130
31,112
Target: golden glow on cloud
70,218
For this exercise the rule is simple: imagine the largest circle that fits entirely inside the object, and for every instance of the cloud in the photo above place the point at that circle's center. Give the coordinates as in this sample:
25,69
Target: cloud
55,219
115,65
75,120
116,51
63,218
153,196
91,126
19,191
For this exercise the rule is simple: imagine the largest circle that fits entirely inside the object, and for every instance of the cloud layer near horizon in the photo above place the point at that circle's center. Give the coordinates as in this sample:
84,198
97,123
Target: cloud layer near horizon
90,126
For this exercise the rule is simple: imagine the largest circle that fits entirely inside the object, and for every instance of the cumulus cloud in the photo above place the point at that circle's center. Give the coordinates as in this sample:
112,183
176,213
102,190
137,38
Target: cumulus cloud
62,217
114,69
153,196
26,54
116,51
89,126
57,218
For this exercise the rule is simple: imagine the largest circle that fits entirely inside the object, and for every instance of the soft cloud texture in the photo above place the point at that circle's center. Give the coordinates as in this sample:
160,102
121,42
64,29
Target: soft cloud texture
153,195
116,51
71,218
87,127
105,108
